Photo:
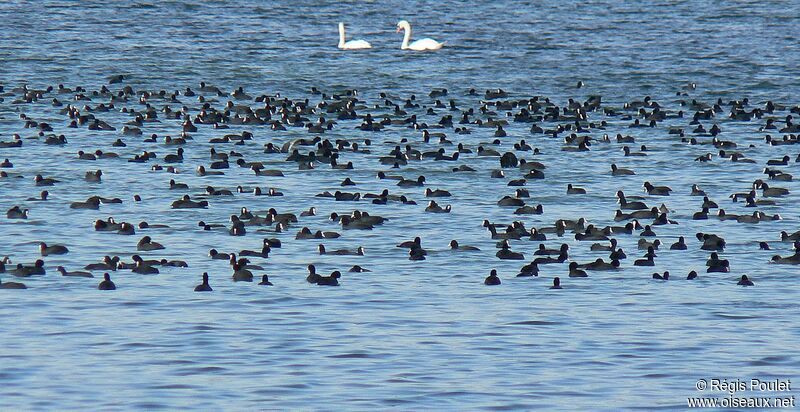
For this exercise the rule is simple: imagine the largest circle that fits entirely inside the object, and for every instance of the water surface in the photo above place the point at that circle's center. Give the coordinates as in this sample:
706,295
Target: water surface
408,335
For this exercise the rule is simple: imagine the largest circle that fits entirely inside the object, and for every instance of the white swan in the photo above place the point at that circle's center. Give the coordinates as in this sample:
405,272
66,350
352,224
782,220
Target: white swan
352,44
419,45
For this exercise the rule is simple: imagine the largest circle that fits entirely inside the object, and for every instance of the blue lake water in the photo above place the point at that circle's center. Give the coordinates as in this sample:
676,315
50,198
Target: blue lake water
410,334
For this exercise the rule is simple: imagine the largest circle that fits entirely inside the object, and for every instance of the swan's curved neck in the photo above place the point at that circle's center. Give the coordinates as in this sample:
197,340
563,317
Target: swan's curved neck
341,35
406,36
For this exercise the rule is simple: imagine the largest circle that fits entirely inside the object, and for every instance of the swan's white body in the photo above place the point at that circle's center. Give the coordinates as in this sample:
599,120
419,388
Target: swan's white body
352,44
419,45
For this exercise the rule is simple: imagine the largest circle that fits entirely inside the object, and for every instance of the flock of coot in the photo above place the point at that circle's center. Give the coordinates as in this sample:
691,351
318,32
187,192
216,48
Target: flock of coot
435,128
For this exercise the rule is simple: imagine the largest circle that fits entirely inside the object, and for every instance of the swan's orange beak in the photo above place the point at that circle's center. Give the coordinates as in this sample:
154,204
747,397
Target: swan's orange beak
399,29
